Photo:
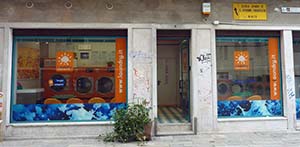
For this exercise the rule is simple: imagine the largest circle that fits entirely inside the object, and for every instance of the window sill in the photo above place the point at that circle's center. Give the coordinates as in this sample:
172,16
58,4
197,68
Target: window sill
60,124
33,90
250,119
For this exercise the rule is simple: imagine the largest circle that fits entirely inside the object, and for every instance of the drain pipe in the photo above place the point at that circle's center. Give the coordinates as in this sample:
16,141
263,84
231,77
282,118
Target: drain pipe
155,126
195,126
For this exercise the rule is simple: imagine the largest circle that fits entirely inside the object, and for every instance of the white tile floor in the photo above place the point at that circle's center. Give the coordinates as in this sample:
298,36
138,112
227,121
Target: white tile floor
170,115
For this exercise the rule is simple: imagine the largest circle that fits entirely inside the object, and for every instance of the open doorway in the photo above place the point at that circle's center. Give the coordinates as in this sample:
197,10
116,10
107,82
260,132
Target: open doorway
173,76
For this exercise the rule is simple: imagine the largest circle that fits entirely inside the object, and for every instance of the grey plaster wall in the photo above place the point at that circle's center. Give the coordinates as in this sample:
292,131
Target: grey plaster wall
95,11
222,11
135,11
56,131
1,56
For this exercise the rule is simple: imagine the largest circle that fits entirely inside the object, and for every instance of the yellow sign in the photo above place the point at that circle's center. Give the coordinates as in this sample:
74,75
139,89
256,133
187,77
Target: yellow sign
241,60
249,11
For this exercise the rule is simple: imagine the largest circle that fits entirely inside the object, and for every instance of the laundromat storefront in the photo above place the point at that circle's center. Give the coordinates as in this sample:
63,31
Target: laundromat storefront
68,75
248,74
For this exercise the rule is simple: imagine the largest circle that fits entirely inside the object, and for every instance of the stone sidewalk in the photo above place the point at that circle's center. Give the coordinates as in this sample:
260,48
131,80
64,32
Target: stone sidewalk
257,139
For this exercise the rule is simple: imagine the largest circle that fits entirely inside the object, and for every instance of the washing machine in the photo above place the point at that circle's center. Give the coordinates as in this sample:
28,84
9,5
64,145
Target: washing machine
259,88
224,89
267,91
83,82
57,84
104,83
262,89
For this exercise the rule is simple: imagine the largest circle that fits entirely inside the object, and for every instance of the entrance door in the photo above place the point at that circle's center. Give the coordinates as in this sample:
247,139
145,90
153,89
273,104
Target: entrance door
184,79
173,77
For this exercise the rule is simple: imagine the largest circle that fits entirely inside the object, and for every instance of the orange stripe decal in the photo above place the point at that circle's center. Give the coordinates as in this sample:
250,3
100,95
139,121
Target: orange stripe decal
120,71
274,69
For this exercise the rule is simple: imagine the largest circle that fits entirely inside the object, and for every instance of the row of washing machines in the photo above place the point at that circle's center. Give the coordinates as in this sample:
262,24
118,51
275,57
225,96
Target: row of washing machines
227,88
82,82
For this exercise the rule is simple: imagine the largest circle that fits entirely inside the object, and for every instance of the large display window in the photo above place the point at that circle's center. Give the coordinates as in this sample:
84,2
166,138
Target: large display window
70,77
296,46
248,74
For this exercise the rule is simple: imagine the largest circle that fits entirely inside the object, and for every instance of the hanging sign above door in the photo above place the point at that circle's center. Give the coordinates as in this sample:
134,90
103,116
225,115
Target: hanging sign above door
249,11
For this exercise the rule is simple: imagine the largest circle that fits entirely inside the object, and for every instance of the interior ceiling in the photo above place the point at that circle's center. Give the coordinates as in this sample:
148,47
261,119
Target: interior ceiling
172,37
243,44
169,42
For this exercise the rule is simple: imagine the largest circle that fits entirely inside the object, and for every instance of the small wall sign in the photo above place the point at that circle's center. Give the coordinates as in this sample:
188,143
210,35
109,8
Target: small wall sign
290,9
241,60
249,11
64,61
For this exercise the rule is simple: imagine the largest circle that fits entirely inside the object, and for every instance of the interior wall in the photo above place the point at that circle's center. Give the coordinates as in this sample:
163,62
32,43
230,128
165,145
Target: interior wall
168,74
297,70
258,64
29,83
100,53
297,62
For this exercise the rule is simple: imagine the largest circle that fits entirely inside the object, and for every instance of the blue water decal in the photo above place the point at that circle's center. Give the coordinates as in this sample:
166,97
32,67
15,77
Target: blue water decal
74,112
298,108
245,108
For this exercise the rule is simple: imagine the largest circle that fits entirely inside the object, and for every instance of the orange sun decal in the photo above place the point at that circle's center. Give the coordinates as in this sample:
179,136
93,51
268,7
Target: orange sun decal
241,60
64,61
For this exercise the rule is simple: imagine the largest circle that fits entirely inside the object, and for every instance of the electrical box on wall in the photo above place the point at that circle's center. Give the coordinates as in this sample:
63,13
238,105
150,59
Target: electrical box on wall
206,8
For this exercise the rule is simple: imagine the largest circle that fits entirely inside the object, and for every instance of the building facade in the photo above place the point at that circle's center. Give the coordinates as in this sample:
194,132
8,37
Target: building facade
66,66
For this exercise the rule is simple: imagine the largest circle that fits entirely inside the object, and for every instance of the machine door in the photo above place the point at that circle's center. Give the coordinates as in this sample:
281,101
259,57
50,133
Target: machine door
84,85
57,83
105,85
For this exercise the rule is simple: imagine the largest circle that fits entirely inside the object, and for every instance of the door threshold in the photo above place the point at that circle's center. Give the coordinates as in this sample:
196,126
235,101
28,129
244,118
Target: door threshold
173,124
170,129
174,133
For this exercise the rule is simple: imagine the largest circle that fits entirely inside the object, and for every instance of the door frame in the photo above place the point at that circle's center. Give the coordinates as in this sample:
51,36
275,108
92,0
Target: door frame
154,75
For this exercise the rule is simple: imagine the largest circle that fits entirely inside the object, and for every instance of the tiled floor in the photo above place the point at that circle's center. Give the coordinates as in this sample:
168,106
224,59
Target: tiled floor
170,115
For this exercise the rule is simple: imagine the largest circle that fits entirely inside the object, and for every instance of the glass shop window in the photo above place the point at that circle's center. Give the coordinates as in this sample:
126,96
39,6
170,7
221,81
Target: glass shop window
248,74
75,75
296,46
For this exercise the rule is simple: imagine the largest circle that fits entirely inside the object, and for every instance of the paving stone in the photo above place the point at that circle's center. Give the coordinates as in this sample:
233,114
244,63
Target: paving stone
256,139
177,145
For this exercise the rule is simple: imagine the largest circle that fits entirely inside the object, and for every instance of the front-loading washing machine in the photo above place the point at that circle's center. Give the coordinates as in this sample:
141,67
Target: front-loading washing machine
57,84
83,81
224,89
104,83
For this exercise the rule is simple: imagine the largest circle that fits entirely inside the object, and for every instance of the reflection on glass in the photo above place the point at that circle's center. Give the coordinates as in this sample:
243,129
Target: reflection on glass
245,72
296,45
248,77
63,68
